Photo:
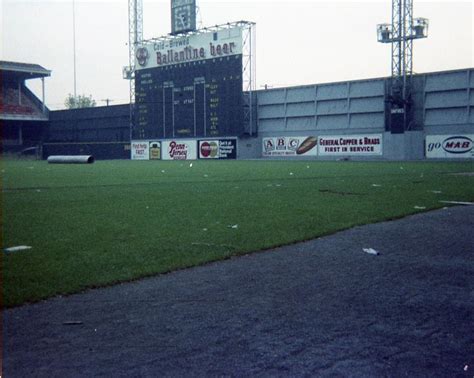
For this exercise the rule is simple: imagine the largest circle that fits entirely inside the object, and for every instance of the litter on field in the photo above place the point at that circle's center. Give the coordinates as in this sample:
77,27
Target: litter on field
370,251
190,165
17,248
291,173
436,191
458,203
72,322
419,207
162,171
376,185
234,226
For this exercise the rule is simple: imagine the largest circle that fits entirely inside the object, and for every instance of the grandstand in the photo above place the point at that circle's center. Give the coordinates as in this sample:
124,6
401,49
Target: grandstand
23,116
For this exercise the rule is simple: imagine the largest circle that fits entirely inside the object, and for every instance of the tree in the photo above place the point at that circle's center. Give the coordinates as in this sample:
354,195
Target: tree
80,101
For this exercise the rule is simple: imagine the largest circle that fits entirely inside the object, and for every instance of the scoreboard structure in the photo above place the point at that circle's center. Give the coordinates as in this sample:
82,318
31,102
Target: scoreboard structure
191,85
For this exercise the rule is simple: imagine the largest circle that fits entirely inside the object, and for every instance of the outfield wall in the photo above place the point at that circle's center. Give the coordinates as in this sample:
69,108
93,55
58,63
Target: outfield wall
443,104
351,112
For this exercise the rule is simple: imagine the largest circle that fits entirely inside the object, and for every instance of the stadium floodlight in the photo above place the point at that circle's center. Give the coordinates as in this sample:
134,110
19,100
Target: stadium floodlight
400,34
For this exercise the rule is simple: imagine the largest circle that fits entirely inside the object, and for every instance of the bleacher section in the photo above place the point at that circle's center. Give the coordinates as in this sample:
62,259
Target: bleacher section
23,116
16,102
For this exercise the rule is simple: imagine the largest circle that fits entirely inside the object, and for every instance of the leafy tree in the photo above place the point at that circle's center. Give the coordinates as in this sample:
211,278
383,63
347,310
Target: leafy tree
80,101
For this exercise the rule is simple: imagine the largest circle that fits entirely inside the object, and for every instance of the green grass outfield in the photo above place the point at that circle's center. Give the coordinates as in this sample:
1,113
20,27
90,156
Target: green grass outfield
112,221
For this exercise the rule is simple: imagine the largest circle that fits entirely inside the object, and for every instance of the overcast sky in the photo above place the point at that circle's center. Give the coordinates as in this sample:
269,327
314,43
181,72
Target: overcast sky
298,41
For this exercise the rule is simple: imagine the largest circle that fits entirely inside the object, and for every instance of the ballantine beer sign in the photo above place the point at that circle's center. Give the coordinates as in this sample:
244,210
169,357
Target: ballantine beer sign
218,44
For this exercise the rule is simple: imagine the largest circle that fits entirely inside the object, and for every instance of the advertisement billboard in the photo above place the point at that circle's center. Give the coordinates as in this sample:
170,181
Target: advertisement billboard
189,48
290,146
179,150
353,145
139,150
218,149
450,146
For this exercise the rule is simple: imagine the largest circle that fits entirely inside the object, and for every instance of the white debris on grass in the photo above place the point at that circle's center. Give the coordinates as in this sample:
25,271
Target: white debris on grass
162,171
291,173
307,166
277,184
204,229
234,226
458,203
190,165
206,176
370,251
376,185
436,191
419,207
17,248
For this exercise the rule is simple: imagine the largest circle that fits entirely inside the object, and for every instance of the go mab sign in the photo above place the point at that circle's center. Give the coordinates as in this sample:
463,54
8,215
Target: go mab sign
449,146
218,149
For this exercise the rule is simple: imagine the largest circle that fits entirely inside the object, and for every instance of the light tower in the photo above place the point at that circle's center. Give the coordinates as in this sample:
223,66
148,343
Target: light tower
401,33
135,36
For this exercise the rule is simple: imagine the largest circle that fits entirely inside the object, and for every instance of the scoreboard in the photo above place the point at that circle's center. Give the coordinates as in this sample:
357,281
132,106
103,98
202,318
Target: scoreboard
190,87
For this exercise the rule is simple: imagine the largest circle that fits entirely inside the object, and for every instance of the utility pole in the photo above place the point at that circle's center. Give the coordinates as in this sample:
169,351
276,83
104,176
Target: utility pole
74,42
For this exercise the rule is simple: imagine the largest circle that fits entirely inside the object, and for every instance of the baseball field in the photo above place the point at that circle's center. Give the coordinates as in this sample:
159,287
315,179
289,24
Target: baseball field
114,221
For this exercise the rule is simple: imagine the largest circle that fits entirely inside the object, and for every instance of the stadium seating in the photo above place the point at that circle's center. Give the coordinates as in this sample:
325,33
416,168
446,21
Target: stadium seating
17,103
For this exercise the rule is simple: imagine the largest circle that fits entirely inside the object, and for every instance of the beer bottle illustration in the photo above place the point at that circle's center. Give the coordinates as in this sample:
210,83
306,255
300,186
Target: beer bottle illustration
155,151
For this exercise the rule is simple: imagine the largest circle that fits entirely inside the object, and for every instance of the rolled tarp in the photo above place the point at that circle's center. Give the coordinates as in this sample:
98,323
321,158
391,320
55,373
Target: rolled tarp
70,159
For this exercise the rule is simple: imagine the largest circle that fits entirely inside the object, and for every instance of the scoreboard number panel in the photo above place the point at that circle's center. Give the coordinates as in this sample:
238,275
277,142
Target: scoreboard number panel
193,99
183,16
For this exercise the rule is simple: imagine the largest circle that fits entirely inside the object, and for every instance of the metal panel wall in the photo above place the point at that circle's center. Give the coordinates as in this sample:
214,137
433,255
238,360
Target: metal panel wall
351,106
443,102
448,102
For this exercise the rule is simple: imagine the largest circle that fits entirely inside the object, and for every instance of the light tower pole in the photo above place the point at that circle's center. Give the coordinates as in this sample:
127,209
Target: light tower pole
401,33
135,36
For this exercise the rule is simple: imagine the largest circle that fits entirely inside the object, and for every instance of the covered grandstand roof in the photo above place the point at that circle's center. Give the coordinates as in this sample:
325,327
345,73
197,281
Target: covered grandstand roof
23,71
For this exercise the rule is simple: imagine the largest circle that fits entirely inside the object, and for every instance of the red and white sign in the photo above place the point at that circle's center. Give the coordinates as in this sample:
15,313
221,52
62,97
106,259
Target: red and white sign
178,149
450,146
189,48
139,150
290,146
353,145
209,149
